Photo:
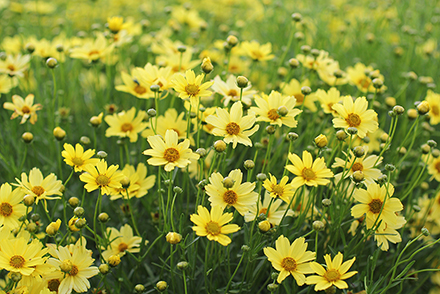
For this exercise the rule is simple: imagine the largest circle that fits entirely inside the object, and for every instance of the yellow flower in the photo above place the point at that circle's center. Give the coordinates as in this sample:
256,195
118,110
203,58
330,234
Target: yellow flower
309,172
121,241
169,152
77,158
125,124
328,99
135,84
293,88
6,84
115,24
276,210
387,233
290,259
356,115
334,275
280,190
231,92
139,182
433,100
15,65
240,196
100,177
258,52
190,86
92,50
357,76
11,208
23,107
53,227
213,224
233,126
434,168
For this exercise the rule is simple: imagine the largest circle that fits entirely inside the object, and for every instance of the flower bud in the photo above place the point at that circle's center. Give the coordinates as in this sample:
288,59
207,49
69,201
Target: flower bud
29,200
183,265
207,66
299,36
377,83
151,112
358,151
173,238
425,231
264,226
424,186
341,135
202,152
96,121
296,17
32,227
181,48
352,130
104,269
272,287
245,248
66,266
242,82
293,62
358,176
35,217
228,182
155,88
139,288
412,113
27,137
306,90
423,107
270,129
84,140
219,146
30,48
305,49
326,202
177,190
432,143
390,101
103,217
282,110
53,227
81,223
59,133
249,164
435,153
292,136
114,260
382,179
78,211
261,177
232,40
318,226
389,167
101,154
321,141
16,277
161,286
51,62
416,208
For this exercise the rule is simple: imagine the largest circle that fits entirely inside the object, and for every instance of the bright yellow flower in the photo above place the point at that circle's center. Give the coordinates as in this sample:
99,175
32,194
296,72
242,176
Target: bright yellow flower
93,50
213,224
307,171
77,158
190,86
328,99
100,177
169,152
290,259
280,190
121,241
433,100
387,233
357,76
23,107
334,275
293,88
233,126
258,52
356,115
231,92
136,84
11,208
139,182
276,210
125,124
15,65
115,23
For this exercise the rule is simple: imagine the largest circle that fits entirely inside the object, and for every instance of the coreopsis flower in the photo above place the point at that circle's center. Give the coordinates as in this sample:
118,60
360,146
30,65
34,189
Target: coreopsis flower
115,24
139,182
239,195
233,126
307,171
92,50
11,208
100,176
387,233
355,115
213,224
433,100
125,124
121,241
258,52
77,158
190,86
290,259
135,84
378,204
24,108
178,62
161,76
19,256
276,210
39,187
276,109
328,99
333,275
293,88
15,65
434,168
357,76
280,190
6,84
73,267
231,92
169,152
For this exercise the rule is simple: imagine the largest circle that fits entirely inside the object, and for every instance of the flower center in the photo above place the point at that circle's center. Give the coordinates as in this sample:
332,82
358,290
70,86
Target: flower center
74,271
273,114
6,209
17,261
435,110
213,228
263,211
299,98
77,161
11,67
437,166
230,197
122,247
53,285
177,131
139,89
308,174
37,190
364,83
257,54
353,120
233,93
102,180
289,264
277,189
25,109
192,89
127,127
375,205
232,128
171,155
93,52
357,166
332,275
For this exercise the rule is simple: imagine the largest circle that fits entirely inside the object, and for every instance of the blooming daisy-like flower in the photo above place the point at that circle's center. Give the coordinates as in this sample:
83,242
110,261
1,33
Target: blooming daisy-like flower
190,86
356,115
20,257
121,241
290,259
241,196
328,99
357,76
15,65
92,50
376,202
293,88
100,177
11,208
135,84
280,190
77,158
125,124
39,187
433,100
6,84
276,109
387,233
258,52
213,224
24,108
233,126
275,213
434,168
231,92
139,182
334,275
169,152
308,172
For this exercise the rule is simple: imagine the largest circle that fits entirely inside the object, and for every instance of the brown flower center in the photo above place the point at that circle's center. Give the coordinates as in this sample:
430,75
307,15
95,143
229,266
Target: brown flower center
17,261
332,275
102,180
357,166
437,166
122,247
37,190
25,109
192,89
53,285
435,110
11,67
277,189
233,93
177,131
375,205
364,82
289,264
77,161
232,128
353,120
230,197
140,90
127,127
6,209
213,228
273,114
299,98
93,52
171,155
263,210
308,174
74,271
